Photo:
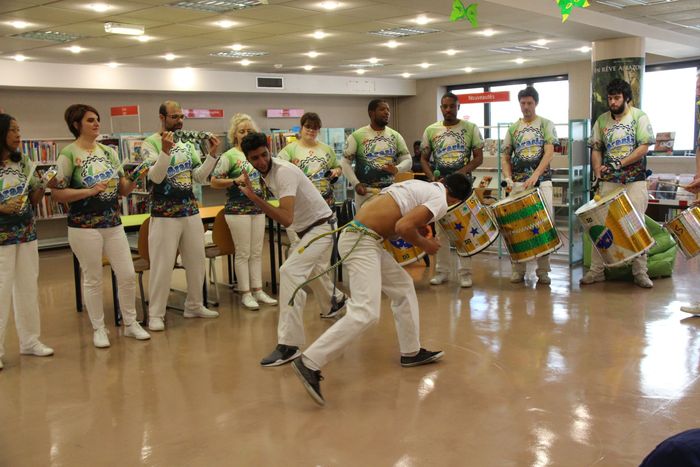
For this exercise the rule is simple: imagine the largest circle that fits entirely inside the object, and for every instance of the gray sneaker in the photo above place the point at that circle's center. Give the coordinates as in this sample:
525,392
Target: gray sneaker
592,277
310,379
281,355
336,308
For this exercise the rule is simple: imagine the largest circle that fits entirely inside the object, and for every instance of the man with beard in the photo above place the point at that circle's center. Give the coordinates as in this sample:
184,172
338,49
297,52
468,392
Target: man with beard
379,153
175,220
528,148
452,143
620,141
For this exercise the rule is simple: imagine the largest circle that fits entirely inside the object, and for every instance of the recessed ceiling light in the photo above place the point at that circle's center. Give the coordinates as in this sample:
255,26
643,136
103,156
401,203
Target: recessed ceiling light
170,57
519,61
99,7
421,19
373,60
123,28
277,66
19,58
113,64
329,5
245,62
392,44
312,54
225,23
360,71
450,51
406,75
319,35
18,24
144,38
76,49
468,69
541,42
584,49
308,67
424,65
487,32
236,47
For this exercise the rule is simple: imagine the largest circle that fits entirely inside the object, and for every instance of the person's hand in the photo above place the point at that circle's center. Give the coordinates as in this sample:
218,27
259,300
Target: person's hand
168,142
509,183
530,182
361,189
245,185
336,172
390,168
598,171
430,245
694,186
98,188
11,207
214,143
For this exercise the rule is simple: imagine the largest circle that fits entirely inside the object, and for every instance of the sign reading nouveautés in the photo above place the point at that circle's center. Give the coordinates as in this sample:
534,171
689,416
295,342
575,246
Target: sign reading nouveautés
124,110
203,113
284,113
483,97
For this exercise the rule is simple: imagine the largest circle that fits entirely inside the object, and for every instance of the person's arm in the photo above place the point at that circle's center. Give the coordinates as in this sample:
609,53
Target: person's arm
284,214
694,186
596,151
70,195
336,169
159,161
404,163
477,160
126,185
359,187
425,163
408,228
541,167
221,183
201,173
36,194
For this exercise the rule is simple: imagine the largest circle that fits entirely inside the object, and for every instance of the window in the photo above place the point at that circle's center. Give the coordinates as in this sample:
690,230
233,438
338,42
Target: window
471,112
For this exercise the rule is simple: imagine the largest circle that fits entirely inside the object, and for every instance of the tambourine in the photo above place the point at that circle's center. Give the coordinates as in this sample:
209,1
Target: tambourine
191,136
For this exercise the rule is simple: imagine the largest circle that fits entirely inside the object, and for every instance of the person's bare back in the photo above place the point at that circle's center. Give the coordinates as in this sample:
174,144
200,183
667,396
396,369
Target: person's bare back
380,213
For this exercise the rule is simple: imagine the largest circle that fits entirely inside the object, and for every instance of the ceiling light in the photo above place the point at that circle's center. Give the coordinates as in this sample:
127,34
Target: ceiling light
319,35
99,7
373,60
468,69
18,24
422,19
406,75
519,61
329,5
450,51
541,42
113,64
245,62
277,66
424,65
360,71
237,47
19,58
312,54
585,49
123,28
487,32
144,38
392,44
170,57
308,67
76,49
225,23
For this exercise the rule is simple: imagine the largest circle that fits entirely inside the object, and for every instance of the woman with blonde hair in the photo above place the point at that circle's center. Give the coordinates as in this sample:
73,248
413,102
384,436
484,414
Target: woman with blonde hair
245,220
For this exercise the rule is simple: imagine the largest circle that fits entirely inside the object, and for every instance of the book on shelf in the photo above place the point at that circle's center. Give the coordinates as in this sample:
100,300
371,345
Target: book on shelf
130,147
48,208
490,147
39,151
664,142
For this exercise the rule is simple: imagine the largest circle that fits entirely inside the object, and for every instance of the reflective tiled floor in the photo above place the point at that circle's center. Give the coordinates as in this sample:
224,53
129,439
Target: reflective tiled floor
533,375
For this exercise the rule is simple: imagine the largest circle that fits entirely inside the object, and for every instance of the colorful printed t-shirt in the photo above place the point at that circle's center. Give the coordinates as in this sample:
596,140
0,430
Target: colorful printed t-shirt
314,162
231,165
80,168
173,197
451,146
14,177
371,150
524,142
617,139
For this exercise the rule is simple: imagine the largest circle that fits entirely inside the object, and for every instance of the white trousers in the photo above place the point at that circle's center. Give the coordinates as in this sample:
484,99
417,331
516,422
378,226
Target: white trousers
296,269
89,246
443,258
19,273
372,270
547,196
639,197
166,237
248,233
322,287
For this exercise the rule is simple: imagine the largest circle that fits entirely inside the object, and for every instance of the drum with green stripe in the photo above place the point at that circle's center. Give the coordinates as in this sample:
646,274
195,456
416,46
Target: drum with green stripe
527,229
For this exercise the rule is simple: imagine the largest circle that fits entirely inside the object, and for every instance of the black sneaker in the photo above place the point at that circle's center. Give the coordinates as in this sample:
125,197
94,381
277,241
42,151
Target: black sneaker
336,308
422,357
310,379
281,355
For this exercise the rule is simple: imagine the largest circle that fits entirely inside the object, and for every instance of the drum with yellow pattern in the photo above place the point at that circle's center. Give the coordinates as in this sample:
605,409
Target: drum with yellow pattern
469,226
685,229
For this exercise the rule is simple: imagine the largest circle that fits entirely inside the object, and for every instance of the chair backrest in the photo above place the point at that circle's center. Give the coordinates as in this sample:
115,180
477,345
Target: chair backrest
403,176
221,235
143,239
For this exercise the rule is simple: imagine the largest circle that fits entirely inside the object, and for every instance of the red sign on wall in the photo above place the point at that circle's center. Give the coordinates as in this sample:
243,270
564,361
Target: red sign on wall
483,97
284,113
203,113
124,110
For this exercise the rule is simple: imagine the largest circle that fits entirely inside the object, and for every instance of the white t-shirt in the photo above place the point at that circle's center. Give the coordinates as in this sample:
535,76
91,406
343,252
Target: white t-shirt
413,193
286,179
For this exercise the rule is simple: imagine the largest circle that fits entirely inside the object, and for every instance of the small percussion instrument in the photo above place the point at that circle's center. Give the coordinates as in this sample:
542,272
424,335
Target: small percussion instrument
685,230
191,136
469,226
615,227
527,228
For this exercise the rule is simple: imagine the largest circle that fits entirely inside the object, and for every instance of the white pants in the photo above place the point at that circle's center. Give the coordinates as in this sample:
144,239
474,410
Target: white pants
547,196
19,273
166,236
322,287
296,269
248,233
372,270
639,197
89,246
443,257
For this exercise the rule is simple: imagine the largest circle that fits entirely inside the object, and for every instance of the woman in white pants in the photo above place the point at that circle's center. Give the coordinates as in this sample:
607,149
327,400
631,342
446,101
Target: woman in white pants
245,220
19,257
90,179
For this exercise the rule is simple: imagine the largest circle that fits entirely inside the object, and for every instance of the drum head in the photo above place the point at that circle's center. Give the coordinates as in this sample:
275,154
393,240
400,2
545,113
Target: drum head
605,199
511,198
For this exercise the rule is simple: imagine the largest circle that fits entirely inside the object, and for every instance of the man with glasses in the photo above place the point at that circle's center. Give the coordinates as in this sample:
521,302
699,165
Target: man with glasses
175,220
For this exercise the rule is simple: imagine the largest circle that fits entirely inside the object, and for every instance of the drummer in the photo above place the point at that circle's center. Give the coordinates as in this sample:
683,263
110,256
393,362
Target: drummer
452,143
528,148
620,141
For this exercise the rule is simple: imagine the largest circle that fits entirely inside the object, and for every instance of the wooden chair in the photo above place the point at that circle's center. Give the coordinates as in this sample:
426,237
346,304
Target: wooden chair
222,246
142,263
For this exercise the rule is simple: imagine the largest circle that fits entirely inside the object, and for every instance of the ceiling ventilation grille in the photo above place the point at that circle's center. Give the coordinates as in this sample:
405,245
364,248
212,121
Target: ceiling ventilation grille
51,36
238,54
628,3
218,6
403,32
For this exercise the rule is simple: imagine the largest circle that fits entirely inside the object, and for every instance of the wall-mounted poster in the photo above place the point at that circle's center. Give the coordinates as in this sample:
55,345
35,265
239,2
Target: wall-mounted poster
631,69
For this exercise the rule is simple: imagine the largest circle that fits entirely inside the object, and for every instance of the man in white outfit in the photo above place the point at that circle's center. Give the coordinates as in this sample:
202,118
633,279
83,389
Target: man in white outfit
175,220
303,210
403,209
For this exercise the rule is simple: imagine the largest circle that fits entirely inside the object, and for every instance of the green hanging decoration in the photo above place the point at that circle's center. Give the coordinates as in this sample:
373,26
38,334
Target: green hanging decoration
459,11
567,5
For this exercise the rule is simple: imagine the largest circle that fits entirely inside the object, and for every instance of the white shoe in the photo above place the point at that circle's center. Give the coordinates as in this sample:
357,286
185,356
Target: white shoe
643,281
693,308
156,324
438,278
38,350
465,280
262,297
543,278
591,278
201,312
136,331
517,277
100,339
249,302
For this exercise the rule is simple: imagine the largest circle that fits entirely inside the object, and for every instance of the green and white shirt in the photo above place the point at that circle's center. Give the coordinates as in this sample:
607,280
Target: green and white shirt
618,139
81,168
371,150
524,143
231,165
173,196
14,177
314,162
451,146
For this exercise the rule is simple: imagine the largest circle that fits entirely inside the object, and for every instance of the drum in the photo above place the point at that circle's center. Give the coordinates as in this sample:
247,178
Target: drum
615,227
403,252
469,226
527,229
685,229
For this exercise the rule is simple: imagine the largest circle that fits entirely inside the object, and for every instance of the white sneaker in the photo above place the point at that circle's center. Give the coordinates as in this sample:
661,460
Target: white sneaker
136,331
643,281
543,278
201,312
465,280
156,324
438,278
693,308
100,339
38,350
262,297
249,302
591,278
517,277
